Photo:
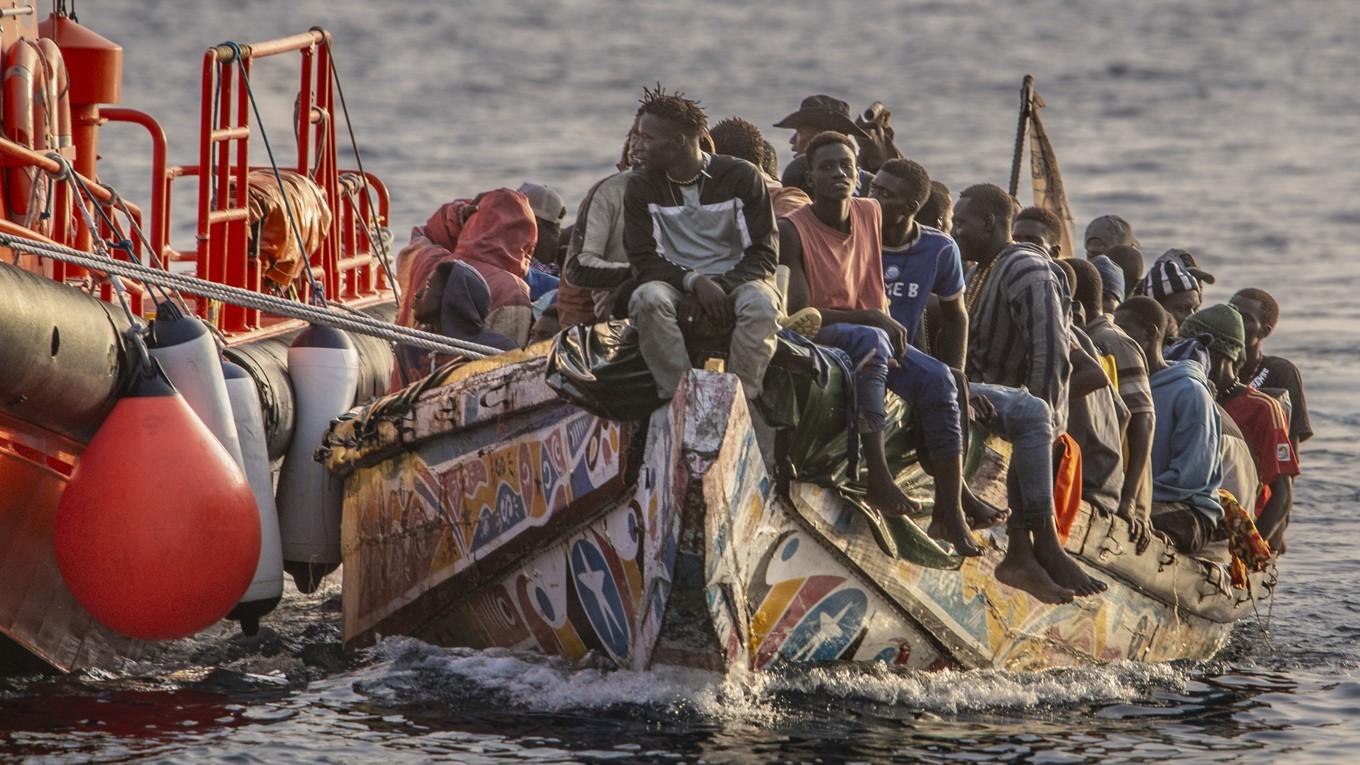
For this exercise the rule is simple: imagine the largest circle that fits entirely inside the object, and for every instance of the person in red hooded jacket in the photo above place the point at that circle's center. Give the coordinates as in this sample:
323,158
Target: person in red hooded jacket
495,233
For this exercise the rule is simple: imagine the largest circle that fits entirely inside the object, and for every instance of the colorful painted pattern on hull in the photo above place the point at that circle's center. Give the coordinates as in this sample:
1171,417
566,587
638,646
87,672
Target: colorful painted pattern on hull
425,517
602,588
992,625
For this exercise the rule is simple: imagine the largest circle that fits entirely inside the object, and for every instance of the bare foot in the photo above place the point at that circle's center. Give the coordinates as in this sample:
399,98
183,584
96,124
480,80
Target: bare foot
1063,570
951,527
982,514
1023,572
887,498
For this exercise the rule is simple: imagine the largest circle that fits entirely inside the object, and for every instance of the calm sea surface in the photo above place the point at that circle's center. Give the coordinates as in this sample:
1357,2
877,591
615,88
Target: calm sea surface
1225,128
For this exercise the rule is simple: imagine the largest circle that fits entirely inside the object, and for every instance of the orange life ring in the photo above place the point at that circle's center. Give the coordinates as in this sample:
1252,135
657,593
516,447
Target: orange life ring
34,87
58,93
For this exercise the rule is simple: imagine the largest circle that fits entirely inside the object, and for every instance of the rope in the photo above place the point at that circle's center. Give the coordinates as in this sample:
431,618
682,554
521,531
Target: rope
78,185
318,295
146,243
102,248
383,255
359,323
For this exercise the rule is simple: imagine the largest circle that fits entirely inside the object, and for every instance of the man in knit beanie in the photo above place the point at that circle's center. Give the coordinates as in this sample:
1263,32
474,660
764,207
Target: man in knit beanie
1219,331
1112,289
1270,457
1171,285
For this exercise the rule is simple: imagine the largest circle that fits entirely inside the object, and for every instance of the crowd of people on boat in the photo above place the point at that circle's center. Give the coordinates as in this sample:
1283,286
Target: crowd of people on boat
1115,380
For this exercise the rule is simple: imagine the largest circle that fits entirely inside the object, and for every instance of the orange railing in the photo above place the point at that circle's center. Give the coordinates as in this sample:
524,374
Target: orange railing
345,263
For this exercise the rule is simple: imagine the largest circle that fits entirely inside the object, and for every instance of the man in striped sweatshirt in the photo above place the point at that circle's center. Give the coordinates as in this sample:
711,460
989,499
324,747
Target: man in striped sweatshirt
1018,370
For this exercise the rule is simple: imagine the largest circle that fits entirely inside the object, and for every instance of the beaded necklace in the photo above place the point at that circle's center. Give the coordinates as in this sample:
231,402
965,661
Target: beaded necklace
976,282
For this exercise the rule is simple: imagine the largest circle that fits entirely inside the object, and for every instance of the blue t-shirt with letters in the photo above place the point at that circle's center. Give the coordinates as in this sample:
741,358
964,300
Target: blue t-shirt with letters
931,264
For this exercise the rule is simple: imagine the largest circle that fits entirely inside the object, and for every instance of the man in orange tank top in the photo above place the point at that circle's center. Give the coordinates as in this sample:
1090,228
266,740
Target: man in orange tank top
833,249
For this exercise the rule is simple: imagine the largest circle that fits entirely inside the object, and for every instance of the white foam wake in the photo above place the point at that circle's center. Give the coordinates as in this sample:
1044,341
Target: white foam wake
409,671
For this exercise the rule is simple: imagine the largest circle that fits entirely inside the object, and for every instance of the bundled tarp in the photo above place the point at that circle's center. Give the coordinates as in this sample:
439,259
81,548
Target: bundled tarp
807,390
271,226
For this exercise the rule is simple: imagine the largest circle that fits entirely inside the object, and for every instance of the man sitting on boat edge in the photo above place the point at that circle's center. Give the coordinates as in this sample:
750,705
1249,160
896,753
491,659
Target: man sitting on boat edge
1187,468
1018,366
833,250
698,229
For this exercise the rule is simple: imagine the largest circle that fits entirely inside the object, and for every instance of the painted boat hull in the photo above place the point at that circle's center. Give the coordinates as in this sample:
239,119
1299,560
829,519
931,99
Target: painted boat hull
462,527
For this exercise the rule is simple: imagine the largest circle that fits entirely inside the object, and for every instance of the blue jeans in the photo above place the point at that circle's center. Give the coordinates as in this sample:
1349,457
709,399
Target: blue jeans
927,385
924,383
1027,422
869,350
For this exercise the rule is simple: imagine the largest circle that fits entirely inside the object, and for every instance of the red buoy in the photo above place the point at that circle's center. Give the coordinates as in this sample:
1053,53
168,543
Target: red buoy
157,533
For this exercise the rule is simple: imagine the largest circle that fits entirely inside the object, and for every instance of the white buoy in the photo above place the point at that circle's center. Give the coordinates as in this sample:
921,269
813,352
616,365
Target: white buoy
324,368
267,587
193,363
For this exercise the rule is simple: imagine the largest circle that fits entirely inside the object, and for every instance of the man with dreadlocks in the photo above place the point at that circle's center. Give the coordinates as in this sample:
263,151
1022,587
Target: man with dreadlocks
702,226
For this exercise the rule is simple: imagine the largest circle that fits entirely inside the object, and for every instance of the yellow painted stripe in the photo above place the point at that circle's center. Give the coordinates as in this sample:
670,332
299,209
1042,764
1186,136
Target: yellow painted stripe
775,603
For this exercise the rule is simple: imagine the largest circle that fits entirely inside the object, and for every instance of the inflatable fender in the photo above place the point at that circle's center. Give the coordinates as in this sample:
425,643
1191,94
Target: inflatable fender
187,353
266,588
324,367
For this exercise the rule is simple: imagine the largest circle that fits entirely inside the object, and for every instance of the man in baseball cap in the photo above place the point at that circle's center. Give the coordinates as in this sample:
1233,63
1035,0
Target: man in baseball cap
1106,232
549,210
1191,267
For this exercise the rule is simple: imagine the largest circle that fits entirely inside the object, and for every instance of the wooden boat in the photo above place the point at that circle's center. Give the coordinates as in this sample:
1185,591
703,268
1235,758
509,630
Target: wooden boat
63,356
484,511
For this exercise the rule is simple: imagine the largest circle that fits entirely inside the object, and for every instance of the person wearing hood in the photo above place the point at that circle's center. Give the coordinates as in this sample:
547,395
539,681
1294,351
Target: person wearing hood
495,233
454,302
1186,462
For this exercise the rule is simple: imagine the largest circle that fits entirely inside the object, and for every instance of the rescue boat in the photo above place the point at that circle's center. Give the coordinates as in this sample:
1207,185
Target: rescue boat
121,355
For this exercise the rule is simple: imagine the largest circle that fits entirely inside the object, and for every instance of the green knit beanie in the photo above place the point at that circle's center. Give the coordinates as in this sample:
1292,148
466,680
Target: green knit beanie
1223,324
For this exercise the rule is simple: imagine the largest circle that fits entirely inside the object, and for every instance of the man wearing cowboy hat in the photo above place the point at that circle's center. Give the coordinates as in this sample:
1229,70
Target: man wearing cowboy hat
815,115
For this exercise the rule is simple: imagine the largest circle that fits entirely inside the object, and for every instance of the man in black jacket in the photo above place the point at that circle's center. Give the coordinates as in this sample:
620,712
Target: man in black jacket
700,235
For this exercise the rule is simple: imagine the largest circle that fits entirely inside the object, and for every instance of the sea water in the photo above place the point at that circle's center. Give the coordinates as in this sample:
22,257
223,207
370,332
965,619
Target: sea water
1228,129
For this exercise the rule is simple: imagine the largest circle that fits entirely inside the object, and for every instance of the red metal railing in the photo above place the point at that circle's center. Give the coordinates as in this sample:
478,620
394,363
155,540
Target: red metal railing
345,263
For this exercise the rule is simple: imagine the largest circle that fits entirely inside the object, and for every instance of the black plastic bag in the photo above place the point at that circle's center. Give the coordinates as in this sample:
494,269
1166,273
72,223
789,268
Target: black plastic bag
600,368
